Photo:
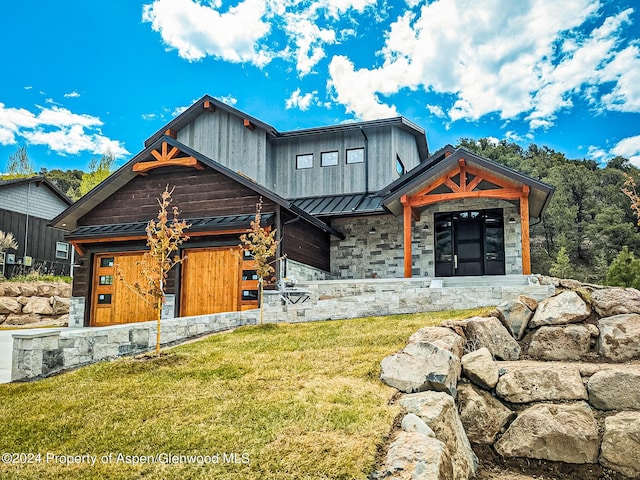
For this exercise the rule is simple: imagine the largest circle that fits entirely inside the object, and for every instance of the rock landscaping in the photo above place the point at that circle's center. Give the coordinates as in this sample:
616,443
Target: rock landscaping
556,382
35,304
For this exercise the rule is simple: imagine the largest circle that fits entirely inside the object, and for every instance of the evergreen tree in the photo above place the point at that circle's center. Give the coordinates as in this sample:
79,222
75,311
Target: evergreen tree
562,266
624,271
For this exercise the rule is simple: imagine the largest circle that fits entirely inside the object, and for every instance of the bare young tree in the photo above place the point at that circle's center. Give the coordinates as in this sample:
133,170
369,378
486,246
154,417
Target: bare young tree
261,243
629,189
164,238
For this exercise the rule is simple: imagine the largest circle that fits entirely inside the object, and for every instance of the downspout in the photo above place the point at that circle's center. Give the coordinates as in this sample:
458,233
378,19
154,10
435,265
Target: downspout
293,220
366,161
26,228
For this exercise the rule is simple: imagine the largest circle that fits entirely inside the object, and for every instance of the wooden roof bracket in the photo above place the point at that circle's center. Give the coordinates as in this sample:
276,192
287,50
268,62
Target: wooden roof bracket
166,158
209,106
249,124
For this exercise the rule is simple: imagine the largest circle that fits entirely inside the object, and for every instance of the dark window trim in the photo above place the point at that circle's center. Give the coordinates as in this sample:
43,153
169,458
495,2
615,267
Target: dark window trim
330,164
352,150
298,167
400,164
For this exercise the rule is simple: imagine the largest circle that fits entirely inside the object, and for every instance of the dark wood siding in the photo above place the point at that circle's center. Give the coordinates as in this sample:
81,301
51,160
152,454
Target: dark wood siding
306,244
41,244
197,194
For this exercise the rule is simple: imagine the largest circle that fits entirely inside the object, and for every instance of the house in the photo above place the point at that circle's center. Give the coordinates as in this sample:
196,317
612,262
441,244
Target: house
26,207
357,200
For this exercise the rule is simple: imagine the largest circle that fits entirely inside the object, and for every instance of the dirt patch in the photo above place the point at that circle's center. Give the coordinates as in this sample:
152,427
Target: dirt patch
494,467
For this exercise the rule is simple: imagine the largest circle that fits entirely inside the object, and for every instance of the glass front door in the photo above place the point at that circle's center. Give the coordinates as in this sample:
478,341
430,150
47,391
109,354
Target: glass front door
469,243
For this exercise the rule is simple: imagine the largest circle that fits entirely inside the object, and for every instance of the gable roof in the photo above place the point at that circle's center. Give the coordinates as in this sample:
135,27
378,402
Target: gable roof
68,219
198,108
342,205
445,160
39,180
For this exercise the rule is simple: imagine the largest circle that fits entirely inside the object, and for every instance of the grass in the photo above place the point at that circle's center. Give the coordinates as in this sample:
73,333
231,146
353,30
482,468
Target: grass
37,277
299,401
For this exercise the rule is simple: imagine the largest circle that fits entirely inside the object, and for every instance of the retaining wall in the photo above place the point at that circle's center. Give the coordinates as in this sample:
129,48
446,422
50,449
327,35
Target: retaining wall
43,354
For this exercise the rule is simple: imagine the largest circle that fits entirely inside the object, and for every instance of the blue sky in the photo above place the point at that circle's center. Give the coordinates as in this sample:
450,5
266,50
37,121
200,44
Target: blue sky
83,77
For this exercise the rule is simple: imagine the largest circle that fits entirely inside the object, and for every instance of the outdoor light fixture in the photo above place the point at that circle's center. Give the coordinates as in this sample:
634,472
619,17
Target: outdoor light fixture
425,228
372,231
512,220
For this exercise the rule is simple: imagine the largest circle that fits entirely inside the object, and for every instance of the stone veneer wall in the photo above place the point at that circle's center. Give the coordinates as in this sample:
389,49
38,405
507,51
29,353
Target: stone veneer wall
381,254
43,354
334,300
305,272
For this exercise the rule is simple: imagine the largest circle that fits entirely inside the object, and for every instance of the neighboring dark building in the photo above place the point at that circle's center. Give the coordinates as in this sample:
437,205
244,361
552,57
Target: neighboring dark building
356,200
27,205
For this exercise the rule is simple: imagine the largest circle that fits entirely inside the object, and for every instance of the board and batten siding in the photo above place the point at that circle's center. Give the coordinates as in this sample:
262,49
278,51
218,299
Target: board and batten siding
383,144
31,199
222,137
198,193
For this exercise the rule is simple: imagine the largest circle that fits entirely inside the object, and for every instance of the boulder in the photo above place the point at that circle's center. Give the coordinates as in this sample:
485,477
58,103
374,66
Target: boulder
12,290
28,289
23,300
440,337
61,321
524,382
421,366
621,444
531,303
39,306
413,456
615,389
566,307
608,302
515,316
60,305
593,330
2,319
557,432
560,343
483,417
413,423
21,319
10,305
49,290
620,337
479,367
490,333
438,410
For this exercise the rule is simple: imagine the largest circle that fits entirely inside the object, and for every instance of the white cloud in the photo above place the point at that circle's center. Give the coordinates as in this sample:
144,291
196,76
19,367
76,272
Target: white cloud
178,110
251,30
228,99
72,94
28,87
149,116
198,30
528,60
436,111
629,148
59,129
302,102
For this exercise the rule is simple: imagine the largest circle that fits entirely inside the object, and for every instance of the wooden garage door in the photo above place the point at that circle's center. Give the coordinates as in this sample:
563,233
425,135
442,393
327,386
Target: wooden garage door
112,301
210,281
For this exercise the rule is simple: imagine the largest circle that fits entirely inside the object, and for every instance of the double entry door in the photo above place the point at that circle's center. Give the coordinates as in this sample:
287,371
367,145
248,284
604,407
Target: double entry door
469,243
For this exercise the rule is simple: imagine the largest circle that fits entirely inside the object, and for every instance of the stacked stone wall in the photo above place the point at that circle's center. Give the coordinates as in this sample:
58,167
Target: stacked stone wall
35,304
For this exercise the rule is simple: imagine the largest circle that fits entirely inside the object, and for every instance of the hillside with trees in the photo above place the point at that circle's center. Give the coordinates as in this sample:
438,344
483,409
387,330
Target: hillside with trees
589,219
583,233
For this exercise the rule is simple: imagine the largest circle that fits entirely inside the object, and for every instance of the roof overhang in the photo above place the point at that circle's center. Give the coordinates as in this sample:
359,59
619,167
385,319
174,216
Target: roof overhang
68,220
448,159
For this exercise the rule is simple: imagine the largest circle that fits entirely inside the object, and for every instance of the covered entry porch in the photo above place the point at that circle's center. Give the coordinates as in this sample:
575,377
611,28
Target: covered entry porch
479,212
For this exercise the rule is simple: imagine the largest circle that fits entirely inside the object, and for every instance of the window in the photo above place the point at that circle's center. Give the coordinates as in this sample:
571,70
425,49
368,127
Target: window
399,166
106,279
355,155
104,299
249,275
62,250
249,295
329,159
304,161
106,262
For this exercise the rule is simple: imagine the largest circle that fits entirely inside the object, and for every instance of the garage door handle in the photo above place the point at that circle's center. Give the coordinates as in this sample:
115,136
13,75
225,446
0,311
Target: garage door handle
455,262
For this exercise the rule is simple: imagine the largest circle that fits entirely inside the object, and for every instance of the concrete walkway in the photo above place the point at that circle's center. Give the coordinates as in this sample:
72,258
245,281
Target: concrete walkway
6,349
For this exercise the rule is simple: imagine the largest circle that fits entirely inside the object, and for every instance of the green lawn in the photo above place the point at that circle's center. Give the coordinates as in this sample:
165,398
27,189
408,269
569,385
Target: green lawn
290,401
